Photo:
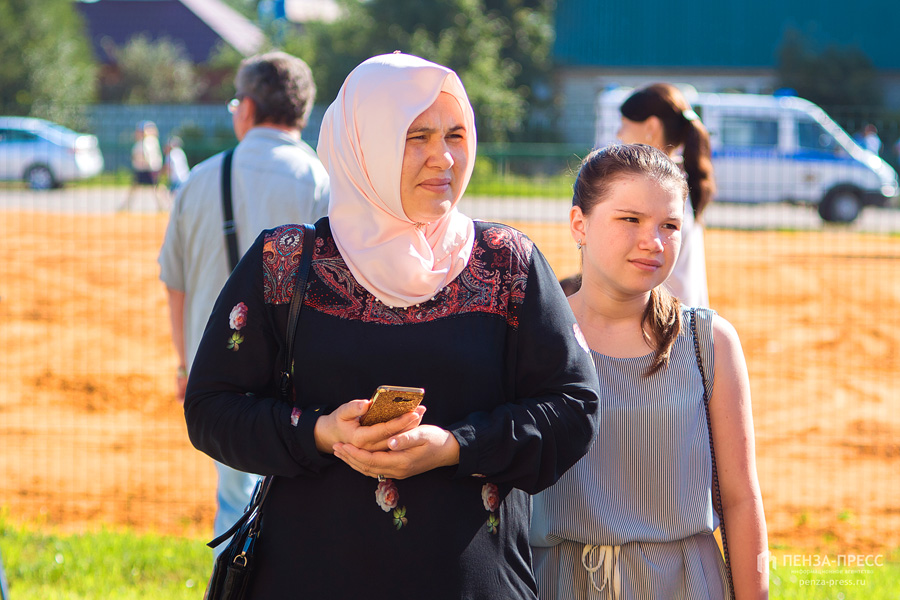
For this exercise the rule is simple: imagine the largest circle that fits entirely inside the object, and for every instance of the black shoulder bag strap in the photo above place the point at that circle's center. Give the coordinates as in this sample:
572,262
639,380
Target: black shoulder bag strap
717,495
228,224
301,279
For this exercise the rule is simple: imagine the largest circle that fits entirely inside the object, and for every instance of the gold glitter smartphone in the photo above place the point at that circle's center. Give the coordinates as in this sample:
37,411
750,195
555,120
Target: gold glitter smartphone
391,401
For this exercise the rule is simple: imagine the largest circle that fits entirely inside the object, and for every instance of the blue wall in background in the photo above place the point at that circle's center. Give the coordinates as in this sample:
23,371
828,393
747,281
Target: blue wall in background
718,33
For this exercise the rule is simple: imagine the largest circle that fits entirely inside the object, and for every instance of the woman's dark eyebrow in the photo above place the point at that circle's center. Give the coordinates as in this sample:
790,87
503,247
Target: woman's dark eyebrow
628,211
428,129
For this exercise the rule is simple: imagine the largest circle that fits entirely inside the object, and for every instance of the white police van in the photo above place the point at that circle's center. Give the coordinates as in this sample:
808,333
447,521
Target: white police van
777,149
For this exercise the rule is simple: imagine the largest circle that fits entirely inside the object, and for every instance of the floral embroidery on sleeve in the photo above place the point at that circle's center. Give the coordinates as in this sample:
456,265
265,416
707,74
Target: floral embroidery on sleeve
236,320
387,497
400,517
490,495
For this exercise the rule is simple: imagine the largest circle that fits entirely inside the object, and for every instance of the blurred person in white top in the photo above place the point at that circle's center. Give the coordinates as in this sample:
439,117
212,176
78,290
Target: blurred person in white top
660,116
146,163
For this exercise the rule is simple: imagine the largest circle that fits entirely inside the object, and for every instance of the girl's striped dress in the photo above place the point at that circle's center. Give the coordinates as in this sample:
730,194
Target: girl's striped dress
634,518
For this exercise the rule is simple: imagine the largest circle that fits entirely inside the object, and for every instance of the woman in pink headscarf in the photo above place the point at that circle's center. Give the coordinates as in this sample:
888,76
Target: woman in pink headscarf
404,290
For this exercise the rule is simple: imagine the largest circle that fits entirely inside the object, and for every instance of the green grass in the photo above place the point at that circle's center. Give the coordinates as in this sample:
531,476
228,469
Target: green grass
105,564
126,566
120,178
520,186
516,186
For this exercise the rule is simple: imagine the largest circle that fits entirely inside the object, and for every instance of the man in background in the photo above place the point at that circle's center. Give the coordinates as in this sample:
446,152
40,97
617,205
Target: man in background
276,179
871,141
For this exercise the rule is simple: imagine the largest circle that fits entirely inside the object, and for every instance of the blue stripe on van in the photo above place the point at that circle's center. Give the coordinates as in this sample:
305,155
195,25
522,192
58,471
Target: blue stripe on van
800,156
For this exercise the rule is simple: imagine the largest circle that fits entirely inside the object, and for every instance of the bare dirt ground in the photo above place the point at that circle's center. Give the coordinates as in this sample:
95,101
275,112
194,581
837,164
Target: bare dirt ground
91,434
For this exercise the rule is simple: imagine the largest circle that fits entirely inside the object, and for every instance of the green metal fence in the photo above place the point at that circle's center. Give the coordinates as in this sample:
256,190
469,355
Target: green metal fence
838,376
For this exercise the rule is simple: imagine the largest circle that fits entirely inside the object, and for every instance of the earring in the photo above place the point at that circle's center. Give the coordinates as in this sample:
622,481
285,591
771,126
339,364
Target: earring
579,244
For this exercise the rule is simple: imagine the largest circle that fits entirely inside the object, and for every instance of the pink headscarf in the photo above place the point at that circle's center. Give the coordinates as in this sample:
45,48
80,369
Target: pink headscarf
361,143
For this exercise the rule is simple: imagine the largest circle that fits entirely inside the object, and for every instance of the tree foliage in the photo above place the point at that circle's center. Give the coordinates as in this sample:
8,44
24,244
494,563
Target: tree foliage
153,72
531,36
836,76
246,7
497,47
218,72
48,69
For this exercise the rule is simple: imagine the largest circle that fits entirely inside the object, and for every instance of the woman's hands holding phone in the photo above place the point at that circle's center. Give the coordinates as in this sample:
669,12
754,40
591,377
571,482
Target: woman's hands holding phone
409,453
399,448
342,427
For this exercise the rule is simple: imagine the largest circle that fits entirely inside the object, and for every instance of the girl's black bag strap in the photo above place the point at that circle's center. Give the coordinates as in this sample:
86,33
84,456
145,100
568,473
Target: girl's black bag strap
717,495
302,278
228,226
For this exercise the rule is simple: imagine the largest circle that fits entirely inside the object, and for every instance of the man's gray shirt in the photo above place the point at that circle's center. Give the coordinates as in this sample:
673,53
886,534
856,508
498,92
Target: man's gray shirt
276,179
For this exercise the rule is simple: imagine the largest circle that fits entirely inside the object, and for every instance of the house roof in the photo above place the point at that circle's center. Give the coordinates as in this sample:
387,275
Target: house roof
233,27
199,25
713,33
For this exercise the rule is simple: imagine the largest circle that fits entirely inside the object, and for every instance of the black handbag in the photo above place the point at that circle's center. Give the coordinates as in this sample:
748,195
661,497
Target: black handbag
233,567
717,495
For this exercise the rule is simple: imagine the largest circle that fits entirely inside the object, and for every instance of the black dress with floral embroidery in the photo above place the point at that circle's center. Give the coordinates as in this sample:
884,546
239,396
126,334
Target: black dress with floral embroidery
505,370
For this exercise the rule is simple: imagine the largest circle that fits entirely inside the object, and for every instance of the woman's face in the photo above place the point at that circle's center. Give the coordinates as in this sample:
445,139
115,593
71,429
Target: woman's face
633,132
632,236
434,161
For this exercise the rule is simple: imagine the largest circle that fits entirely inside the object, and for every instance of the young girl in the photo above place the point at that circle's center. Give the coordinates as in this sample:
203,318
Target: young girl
659,115
634,518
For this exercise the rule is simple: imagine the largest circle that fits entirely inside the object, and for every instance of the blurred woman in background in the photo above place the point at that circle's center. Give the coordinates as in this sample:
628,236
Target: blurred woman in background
660,116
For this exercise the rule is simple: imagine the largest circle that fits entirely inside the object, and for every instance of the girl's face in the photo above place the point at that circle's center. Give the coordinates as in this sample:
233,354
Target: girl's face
632,236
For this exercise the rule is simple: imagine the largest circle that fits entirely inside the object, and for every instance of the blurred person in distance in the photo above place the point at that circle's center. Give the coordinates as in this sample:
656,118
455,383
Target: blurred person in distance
175,164
871,141
146,164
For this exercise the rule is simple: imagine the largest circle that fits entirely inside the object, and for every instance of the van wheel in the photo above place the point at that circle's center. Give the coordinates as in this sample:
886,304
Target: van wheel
840,205
40,177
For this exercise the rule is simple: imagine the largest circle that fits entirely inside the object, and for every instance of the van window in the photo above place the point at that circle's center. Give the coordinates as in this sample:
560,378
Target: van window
811,136
17,135
749,132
